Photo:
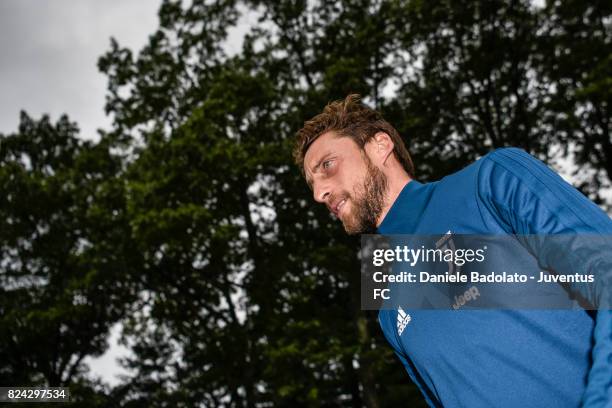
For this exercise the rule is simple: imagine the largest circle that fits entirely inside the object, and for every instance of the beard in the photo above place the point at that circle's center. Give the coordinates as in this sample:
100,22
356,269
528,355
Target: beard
367,202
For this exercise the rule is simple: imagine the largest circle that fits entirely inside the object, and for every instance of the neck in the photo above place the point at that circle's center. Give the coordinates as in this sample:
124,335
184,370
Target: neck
395,185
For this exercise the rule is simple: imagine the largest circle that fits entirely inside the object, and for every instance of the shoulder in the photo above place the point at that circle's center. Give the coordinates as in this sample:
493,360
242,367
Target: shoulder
508,158
513,164
515,184
487,171
508,152
513,159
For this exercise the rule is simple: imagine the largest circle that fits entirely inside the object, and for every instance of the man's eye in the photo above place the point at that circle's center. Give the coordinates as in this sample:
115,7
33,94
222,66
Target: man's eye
327,164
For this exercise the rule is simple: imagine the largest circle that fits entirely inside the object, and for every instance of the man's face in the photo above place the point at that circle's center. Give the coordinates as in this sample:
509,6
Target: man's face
342,177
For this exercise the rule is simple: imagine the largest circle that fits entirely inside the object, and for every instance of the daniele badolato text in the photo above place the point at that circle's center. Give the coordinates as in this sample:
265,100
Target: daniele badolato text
455,258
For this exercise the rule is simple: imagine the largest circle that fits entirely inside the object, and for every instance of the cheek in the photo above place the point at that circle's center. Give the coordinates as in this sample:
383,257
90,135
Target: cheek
349,177
355,181
346,183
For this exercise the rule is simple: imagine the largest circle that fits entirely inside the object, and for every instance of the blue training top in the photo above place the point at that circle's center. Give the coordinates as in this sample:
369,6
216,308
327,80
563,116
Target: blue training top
503,358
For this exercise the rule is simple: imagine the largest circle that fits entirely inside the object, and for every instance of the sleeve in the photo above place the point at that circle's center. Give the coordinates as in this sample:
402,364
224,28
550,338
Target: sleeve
566,232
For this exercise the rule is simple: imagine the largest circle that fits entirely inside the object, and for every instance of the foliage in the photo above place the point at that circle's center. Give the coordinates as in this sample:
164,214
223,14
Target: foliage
188,222
67,258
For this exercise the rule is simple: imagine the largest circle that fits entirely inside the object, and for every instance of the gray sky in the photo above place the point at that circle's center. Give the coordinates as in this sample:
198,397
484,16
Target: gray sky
49,52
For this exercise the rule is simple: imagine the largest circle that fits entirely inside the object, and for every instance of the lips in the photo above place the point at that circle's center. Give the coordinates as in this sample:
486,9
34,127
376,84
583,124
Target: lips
337,206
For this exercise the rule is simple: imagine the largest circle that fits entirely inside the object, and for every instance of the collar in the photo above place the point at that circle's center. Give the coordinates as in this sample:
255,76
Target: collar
406,210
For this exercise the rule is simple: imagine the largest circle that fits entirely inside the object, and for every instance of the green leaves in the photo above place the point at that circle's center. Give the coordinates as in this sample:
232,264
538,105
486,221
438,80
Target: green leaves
188,223
67,257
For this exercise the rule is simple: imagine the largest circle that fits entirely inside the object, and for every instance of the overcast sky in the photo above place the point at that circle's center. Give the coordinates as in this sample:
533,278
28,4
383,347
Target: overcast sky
49,51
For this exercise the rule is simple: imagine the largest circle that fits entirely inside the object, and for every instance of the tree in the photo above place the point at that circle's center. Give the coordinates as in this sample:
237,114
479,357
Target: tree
577,63
237,283
67,258
245,284
189,223
483,75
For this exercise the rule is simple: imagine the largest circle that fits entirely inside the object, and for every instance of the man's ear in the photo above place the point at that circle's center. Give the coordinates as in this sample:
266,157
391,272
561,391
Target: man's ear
379,148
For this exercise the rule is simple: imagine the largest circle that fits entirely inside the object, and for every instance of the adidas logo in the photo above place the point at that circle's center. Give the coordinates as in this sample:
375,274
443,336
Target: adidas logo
403,319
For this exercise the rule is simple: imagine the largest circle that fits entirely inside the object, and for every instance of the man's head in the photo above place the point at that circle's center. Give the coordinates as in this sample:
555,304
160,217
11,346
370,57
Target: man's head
354,161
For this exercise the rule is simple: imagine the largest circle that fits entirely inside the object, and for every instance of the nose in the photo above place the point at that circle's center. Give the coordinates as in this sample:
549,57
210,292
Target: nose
321,192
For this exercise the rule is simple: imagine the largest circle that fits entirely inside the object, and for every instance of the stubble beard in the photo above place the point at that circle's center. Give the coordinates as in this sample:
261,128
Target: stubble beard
368,202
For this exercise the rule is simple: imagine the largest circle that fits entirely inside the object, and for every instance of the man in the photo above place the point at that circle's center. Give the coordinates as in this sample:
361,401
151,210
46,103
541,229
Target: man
357,165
